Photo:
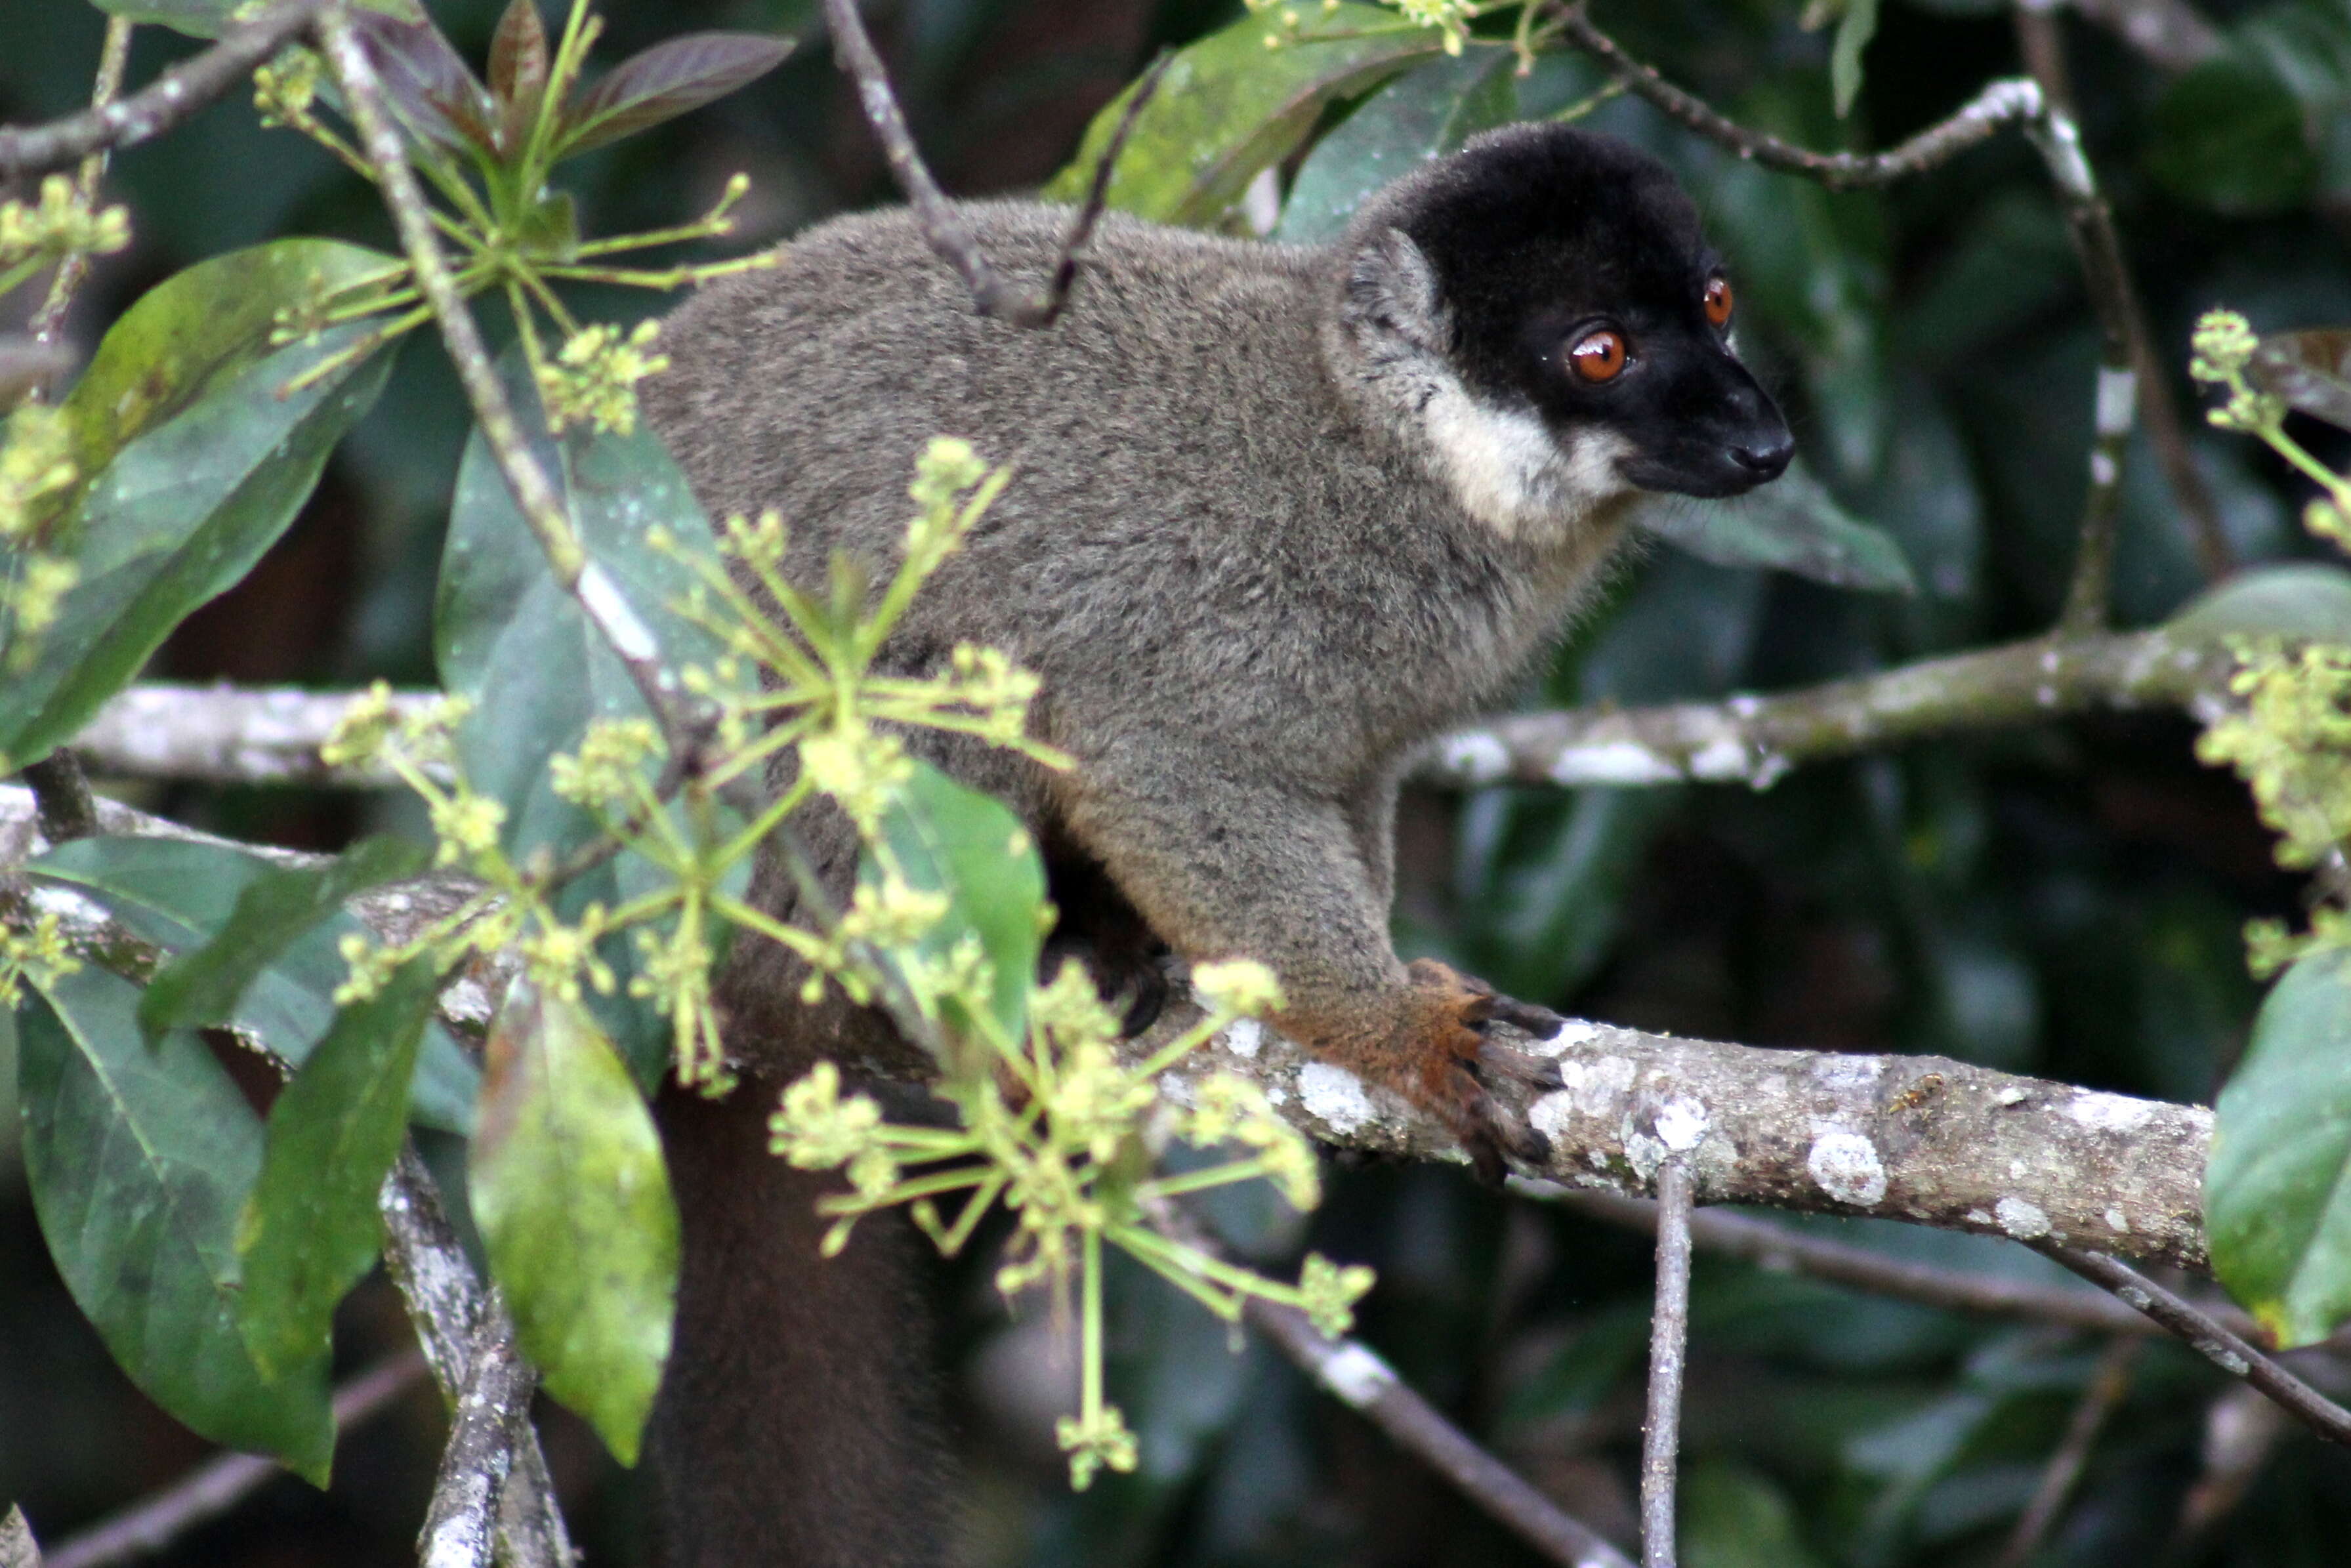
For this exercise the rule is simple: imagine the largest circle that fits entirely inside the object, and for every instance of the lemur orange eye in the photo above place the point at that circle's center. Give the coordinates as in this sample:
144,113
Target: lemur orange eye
1717,301
1598,356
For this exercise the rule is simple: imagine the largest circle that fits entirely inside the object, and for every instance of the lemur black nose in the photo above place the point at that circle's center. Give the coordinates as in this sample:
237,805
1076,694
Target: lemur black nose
1766,457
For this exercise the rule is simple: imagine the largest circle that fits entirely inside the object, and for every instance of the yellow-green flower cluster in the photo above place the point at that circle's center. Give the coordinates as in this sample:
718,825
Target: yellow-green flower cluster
1094,1440
60,224
606,775
1328,1293
1452,16
2292,745
38,955
593,378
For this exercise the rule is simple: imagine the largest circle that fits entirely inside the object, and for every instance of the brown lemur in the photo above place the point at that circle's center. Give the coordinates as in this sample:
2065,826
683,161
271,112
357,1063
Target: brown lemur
1279,514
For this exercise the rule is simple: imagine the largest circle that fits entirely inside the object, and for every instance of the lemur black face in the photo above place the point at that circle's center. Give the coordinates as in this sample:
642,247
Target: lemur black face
1576,282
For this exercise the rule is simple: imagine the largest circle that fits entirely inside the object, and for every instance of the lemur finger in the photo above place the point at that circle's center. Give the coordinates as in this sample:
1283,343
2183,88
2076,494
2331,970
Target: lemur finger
1532,1074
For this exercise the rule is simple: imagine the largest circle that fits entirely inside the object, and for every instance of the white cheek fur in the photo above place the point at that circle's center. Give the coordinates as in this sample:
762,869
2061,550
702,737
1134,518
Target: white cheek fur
1513,473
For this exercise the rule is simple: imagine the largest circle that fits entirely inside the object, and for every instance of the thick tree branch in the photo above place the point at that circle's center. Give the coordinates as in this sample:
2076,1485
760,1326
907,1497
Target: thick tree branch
493,1473
271,734
163,103
1755,740
219,1484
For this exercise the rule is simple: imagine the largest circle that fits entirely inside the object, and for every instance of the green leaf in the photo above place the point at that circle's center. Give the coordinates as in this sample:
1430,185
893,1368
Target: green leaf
2277,1184
178,893
1424,114
310,1230
2311,369
2302,601
955,840
138,1159
573,1201
2230,135
513,642
1856,27
1792,523
198,458
273,911
671,79
1228,107
1734,1517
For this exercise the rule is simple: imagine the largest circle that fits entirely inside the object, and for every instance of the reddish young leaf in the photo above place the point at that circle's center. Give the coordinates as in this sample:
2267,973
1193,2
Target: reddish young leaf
666,81
429,86
2311,369
518,70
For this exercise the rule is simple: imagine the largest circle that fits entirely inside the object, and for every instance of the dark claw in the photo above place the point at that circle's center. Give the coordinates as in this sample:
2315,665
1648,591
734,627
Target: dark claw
1540,1022
1489,1131
1149,997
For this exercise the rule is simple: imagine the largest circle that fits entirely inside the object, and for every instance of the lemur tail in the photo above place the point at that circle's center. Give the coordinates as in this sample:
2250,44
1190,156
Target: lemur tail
799,1423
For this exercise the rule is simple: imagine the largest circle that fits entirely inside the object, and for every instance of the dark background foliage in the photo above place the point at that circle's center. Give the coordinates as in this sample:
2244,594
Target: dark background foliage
2062,901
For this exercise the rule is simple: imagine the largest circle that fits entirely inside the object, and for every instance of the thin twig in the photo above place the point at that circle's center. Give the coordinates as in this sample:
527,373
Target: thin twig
219,1484
600,600
942,224
2211,1340
1661,1431
1358,1377
2090,225
2108,1384
163,103
1785,1249
50,322
2042,41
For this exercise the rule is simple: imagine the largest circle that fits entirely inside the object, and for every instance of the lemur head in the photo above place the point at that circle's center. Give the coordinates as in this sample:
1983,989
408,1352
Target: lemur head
1544,303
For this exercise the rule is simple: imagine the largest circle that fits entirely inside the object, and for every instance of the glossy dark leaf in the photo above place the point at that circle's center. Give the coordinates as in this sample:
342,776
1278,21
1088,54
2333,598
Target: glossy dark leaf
198,459
2230,134
273,911
138,1159
429,86
518,66
312,1230
669,79
178,893
1424,114
2299,600
953,839
513,642
573,1201
1793,524
2281,1159
2310,369
1228,107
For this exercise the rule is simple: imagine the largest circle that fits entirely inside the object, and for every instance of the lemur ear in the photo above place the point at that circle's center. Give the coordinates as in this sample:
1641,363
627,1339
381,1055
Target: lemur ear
1392,291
